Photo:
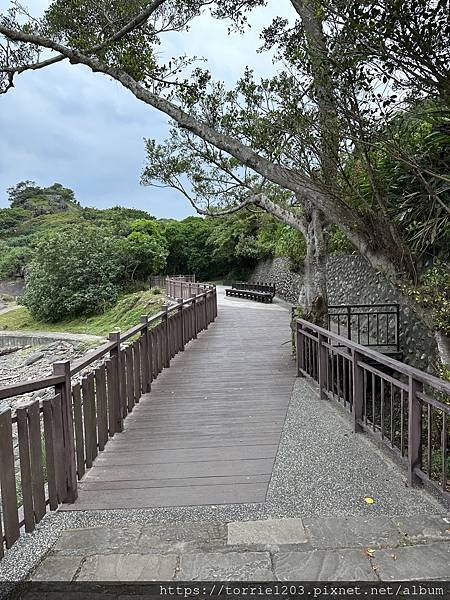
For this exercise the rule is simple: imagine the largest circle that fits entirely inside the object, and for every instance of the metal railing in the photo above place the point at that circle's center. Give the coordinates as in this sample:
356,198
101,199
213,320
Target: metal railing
405,408
368,324
47,446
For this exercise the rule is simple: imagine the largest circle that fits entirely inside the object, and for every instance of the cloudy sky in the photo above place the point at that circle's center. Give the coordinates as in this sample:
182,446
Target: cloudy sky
67,125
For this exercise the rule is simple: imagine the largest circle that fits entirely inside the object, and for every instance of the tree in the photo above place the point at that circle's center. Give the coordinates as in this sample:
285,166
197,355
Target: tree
28,196
297,130
10,218
73,273
12,259
143,251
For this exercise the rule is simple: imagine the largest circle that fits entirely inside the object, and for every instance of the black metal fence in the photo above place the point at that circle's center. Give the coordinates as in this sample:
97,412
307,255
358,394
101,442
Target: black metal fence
373,325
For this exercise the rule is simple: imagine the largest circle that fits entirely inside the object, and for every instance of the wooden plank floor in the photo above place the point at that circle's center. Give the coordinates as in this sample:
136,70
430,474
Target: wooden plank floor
208,432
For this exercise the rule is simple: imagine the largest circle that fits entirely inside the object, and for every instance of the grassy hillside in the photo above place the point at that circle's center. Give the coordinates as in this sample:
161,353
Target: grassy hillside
123,315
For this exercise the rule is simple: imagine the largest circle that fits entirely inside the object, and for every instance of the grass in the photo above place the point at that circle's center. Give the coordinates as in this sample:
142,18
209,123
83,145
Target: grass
123,315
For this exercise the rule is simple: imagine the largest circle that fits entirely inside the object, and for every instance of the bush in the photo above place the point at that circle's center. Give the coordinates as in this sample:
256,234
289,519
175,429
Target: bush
12,260
434,294
291,244
338,241
73,273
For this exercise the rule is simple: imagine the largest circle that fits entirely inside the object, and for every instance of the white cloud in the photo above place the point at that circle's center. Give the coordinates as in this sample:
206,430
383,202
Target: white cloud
68,125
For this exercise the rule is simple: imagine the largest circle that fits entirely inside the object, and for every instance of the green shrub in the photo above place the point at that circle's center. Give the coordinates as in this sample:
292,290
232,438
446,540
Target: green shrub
12,260
291,244
434,294
73,273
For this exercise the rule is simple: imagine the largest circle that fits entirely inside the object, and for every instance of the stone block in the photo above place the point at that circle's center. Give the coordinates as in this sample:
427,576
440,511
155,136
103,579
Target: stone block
181,536
128,567
424,527
229,566
267,532
352,532
412,563
324,565
57,568
96,540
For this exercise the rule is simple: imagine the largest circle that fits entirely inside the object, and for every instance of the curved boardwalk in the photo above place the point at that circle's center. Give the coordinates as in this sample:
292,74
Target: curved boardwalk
208,432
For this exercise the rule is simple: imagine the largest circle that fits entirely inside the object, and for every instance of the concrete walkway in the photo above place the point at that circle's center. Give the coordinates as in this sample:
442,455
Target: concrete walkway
313,521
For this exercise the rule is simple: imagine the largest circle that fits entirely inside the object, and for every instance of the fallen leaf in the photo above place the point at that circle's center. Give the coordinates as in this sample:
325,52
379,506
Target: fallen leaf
369,500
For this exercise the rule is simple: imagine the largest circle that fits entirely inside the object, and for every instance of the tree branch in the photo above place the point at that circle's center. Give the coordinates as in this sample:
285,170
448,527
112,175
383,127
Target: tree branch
138,20
389,255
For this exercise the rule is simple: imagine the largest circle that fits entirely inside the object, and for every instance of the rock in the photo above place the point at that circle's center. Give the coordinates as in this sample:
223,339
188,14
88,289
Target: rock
34,358
52,358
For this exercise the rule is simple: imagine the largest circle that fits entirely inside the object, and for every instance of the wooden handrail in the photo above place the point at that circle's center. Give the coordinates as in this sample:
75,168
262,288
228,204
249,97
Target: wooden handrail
401,405
26,387
77,423
392,363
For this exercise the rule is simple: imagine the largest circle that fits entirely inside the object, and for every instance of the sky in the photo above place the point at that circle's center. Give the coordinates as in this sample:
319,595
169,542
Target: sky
65,124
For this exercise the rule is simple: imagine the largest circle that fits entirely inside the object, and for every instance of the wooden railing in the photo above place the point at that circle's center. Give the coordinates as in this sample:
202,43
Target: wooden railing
160,280
375,325
405,408
181,288
47,446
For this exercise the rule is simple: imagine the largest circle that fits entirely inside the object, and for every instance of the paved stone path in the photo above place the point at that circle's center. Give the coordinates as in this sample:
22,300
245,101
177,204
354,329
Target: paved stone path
350,549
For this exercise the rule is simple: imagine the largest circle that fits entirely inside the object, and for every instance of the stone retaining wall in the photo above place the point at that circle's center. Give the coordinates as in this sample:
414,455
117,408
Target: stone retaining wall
351,280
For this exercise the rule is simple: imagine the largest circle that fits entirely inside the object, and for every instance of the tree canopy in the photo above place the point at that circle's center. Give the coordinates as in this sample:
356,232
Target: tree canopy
298,145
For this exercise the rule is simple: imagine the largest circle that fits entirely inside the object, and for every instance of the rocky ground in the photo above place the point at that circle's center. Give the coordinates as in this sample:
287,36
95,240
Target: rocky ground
34,362
29,363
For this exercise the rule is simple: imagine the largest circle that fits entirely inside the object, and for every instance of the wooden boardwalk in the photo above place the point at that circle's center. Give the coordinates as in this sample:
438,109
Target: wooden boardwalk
208,432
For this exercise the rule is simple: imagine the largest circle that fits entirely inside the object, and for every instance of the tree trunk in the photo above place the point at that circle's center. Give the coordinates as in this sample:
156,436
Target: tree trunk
443,346
313,296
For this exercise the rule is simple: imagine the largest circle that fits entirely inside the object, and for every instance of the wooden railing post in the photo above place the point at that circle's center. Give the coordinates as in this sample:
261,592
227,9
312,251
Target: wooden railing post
145,367
150,354
414,430
194,306
358,391
165,321
7,481
215,303
114,336
299,348
64,389
205,307
182,324
323,364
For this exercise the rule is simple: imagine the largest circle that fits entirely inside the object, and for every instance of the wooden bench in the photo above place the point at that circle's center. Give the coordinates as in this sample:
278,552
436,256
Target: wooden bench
252,291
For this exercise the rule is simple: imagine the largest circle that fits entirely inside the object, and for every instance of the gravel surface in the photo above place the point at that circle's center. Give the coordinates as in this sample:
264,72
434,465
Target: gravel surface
324,469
